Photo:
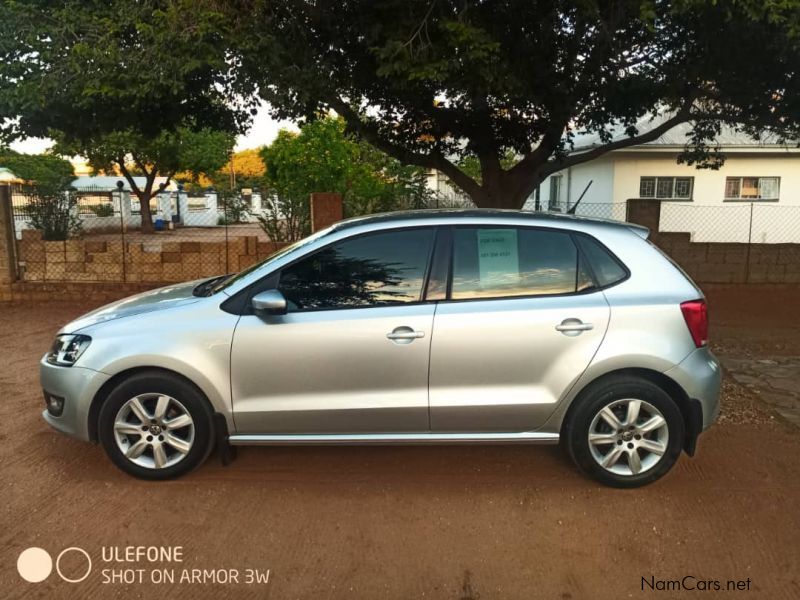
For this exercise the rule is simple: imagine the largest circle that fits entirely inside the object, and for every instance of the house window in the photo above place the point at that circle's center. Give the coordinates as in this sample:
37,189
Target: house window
752,188
666,188
442,184
555,193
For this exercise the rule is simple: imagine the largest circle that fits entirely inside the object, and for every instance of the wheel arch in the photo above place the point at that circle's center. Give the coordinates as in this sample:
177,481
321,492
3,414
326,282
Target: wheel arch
690,409
110,384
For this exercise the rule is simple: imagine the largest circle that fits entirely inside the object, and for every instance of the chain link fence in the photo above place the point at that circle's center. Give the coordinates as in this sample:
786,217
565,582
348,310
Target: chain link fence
743,223
735,242
95,234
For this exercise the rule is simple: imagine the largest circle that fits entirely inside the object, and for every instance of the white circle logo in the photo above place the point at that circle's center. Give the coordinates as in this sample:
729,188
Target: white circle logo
34,565
88,564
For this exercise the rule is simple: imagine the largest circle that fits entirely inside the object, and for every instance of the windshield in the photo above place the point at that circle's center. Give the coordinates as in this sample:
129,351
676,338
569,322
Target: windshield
217,284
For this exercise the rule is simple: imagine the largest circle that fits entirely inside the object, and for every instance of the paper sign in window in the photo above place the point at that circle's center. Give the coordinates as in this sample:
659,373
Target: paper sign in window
498,257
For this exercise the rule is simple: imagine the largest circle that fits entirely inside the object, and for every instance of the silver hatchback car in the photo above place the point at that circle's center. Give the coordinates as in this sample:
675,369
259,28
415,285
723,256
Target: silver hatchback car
432,327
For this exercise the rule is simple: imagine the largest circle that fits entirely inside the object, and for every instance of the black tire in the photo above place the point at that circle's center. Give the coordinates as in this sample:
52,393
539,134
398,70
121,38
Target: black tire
607,392
191,399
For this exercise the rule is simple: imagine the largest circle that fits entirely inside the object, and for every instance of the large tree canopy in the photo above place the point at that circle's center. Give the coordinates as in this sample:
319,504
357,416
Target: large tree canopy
443,83
120,82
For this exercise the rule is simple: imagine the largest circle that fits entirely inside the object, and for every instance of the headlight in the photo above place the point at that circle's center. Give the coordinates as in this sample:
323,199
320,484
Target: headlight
67,349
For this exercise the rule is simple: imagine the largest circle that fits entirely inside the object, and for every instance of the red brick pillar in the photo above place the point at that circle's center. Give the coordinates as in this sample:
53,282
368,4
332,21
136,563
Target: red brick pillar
645,212
8,267
326,209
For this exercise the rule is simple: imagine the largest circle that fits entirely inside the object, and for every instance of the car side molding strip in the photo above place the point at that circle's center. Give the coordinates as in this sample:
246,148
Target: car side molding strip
523,437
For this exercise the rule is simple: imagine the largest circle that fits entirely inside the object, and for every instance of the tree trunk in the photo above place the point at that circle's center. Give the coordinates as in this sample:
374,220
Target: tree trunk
144,196
147,217
505,190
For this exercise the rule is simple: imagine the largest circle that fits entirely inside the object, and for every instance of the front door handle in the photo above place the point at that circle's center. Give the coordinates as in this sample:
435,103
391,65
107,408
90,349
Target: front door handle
404,335
573,327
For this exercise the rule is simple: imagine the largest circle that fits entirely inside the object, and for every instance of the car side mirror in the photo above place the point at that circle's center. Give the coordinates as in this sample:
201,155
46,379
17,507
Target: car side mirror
271,302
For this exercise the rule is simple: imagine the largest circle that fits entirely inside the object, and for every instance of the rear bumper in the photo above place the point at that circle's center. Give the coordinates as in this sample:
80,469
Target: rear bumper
78,386
700,376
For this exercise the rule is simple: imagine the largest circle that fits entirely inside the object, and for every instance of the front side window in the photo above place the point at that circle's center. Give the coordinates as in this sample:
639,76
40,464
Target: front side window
376,269
751,188
507,262
666,188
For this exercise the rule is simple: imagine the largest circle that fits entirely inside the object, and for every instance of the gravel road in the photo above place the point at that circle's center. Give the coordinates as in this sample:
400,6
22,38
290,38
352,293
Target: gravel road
441,522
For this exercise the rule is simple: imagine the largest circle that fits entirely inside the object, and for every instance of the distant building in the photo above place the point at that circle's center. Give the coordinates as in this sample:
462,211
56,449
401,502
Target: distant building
755,171
7,177
105,183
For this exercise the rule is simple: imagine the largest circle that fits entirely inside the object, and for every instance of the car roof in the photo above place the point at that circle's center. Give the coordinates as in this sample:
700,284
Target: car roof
453,216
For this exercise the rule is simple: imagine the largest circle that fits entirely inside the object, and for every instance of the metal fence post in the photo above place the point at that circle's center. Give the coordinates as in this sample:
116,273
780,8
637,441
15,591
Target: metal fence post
749,245
122,233
227,245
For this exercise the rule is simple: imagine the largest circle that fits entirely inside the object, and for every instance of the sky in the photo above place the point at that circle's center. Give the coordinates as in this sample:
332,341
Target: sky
263,131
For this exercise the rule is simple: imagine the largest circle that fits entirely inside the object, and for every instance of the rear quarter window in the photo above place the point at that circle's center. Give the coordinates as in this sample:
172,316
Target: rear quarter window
607,268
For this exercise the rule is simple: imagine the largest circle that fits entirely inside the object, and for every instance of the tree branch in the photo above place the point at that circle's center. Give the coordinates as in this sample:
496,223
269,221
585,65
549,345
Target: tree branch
433,160
683,115
129,178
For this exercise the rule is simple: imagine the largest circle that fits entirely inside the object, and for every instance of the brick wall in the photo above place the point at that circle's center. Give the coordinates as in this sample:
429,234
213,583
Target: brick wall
719,262
114,261
66,291
82,269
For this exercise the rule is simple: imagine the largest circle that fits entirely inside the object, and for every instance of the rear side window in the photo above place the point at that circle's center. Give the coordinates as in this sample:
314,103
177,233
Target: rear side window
505,262
607,269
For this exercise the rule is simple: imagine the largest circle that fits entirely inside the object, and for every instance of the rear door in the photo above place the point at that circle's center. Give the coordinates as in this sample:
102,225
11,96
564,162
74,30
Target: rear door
522,321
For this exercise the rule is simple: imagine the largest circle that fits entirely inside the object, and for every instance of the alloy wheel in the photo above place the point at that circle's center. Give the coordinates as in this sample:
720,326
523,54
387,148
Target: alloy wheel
154,431
628,437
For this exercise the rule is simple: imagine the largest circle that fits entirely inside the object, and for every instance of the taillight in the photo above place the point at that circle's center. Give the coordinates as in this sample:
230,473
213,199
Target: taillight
695,314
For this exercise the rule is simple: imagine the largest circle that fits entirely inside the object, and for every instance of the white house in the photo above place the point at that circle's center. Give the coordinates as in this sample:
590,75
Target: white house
754,196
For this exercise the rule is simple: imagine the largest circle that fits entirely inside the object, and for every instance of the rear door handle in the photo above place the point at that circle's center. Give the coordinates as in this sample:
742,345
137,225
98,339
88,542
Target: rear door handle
404,335
573,327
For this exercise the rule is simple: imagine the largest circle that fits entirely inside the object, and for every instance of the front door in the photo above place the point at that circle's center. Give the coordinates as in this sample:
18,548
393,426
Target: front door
521,324
351,355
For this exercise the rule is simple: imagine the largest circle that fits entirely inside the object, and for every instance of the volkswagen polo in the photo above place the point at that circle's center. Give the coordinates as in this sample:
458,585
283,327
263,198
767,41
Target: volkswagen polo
433,327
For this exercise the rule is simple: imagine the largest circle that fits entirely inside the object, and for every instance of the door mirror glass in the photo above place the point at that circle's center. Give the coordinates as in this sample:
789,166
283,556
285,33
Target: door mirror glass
271,302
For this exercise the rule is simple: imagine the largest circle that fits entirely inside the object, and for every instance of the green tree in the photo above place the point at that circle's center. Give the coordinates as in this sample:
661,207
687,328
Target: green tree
245,169
127,84
163,154
324,158
45,171
432,82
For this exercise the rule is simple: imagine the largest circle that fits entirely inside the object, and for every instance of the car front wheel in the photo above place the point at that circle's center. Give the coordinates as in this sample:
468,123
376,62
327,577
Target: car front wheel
155,425
626,432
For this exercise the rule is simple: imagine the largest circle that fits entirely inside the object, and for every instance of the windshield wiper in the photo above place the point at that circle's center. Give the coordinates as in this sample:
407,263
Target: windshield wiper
204,288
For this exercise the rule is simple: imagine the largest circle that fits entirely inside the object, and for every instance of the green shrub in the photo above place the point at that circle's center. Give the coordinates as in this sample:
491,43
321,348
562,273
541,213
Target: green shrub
102,210
53,213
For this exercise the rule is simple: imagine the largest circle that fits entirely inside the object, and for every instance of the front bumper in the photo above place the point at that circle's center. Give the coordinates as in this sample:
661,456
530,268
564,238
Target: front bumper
78,386
700,376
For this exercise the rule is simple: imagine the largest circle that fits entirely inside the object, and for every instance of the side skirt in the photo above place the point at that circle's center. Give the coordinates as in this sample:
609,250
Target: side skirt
421,439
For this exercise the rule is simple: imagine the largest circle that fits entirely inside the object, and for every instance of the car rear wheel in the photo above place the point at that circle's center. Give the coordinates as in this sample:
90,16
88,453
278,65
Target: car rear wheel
154,425
625,432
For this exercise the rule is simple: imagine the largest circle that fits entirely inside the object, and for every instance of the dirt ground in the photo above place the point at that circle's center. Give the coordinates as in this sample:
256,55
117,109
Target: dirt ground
463,523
